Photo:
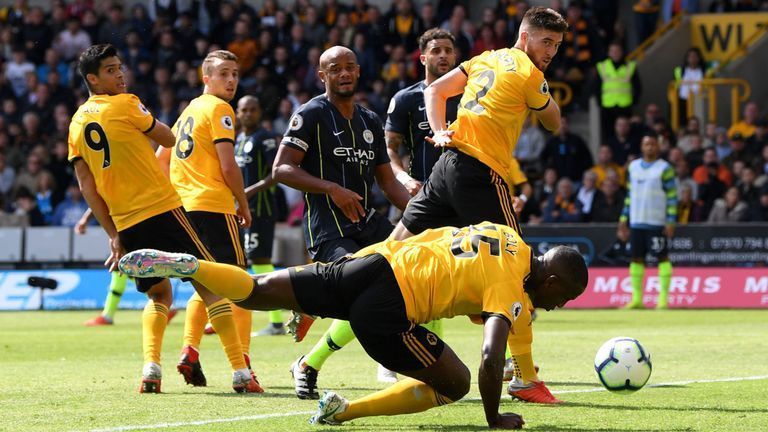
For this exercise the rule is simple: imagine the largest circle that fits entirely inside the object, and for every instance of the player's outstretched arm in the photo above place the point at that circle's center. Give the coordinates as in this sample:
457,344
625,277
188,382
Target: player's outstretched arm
161,134
82,224
491,372
395,192
287,170
260,186
233,177
549,117
100,210
438,92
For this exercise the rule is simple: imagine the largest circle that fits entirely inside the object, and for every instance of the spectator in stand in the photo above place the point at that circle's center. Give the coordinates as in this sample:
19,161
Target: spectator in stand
26,204
72,41
738,152
69,211
314,31
695,156
624,145
748,190
29,178
586,195
759,212
722,144
746,126
605,164
52,62
561,206
619,88
545,187
297,45
115,28
403,25
712,188
608,201
167,51
16,72
687,77
186,33
59,166
710,160
166,111
189,90
710,133
692,129
223,25
688,209
646,14
683,177
284,113
428,15
729,209
759,140
581,45
44,196
486,41
7,176
567,153
245,47
455,24
761,167
36,34
366,58
358,13
529,149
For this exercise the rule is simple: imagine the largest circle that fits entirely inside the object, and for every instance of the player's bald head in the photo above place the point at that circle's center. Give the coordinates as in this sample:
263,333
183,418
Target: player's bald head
248,101
336,55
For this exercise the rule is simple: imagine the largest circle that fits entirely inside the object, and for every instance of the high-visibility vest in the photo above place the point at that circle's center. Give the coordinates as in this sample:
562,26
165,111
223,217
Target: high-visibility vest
617,83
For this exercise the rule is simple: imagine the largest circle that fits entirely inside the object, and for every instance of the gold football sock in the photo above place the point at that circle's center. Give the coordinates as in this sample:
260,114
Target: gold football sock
220,316
154,319
243,322
524,368
194,321
224,280
404,397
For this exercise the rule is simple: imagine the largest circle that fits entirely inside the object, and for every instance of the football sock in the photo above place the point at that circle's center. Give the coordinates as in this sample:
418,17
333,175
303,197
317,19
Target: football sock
275,316
220,316
403,397
194,321
154,319
524,368
243,322
339,334
116,290
224,280
636,272
665,277
435,326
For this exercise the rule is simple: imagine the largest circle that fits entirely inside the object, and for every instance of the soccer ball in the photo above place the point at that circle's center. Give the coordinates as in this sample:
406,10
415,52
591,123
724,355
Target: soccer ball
623,365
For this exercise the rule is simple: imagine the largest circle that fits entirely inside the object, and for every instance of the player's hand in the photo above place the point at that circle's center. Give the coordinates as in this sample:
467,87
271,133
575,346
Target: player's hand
507,421
116,252
518,204
349,203
441,138
244,216
81,226
669,230
413,187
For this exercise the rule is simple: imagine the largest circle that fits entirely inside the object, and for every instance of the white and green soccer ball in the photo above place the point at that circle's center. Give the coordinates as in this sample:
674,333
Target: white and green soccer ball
623,365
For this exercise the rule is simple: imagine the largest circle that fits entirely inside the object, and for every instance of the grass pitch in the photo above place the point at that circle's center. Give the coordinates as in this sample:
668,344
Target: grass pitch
56,375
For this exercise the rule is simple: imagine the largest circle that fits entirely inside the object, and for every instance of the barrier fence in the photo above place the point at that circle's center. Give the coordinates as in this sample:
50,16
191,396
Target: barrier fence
723,266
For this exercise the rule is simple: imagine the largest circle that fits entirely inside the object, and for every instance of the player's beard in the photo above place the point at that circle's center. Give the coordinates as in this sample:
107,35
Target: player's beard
345,93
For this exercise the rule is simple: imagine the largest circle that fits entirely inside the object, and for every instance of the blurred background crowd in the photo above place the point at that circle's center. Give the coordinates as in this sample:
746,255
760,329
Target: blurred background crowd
721,168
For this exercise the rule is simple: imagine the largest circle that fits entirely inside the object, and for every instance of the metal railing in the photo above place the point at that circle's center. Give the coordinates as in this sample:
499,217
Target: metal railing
740,91
741,50
639,52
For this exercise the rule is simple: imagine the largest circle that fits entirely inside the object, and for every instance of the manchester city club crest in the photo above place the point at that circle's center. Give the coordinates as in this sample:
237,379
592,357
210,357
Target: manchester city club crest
368,136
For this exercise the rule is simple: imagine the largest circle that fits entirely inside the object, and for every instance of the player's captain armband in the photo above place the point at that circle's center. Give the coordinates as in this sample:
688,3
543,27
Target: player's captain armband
295,143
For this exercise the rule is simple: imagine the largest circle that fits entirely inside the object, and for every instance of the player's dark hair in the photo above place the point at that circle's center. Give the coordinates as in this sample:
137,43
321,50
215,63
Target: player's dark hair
90,60
433,34
545,18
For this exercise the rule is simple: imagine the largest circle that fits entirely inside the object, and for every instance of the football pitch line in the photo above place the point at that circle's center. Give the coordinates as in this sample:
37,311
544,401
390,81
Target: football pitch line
289,414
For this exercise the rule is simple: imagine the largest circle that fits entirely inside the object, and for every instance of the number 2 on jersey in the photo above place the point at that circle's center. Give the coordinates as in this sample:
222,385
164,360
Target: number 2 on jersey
474,104
96,139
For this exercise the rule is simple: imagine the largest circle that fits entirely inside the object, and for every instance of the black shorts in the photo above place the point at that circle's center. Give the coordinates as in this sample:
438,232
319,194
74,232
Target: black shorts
460,191
643,241
259,238
364,292
377,229
171,231
221,234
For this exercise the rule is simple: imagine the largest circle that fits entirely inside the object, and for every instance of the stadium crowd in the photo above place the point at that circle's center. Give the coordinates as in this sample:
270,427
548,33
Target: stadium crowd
721,169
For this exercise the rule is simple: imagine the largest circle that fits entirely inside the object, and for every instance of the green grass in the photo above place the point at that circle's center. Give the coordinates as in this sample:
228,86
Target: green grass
57,375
